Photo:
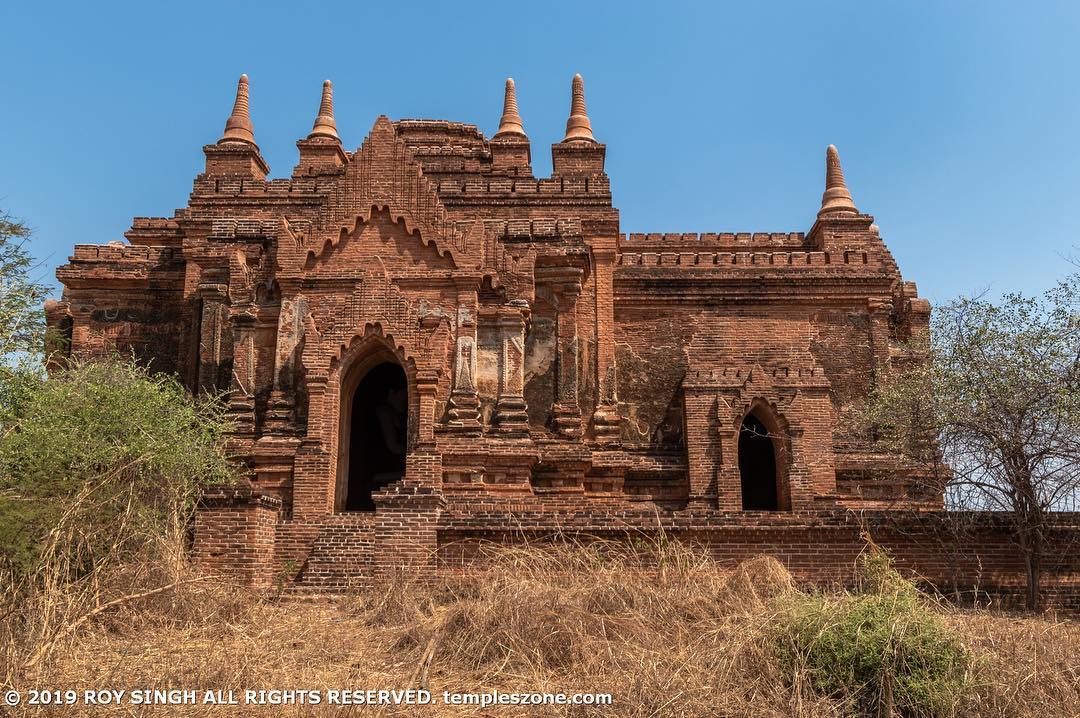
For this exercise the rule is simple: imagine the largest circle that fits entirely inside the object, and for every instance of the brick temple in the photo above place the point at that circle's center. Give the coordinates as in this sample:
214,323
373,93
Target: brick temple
424,346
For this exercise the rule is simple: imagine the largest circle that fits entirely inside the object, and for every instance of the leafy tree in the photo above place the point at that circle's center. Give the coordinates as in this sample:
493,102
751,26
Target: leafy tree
22,322
992,403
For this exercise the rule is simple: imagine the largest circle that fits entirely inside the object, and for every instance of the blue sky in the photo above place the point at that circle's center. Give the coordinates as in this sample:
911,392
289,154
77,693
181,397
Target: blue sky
958,122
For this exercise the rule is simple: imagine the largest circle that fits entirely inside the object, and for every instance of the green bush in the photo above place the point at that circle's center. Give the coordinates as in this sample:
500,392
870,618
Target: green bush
22,323
105,451
880,651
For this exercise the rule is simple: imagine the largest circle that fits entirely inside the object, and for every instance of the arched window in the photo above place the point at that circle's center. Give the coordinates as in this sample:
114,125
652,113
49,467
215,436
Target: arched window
760,466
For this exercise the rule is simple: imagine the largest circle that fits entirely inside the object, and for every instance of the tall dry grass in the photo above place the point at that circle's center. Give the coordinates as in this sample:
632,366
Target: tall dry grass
672,635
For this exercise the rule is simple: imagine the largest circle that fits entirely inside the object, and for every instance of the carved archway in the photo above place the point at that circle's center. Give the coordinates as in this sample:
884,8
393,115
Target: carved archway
377,418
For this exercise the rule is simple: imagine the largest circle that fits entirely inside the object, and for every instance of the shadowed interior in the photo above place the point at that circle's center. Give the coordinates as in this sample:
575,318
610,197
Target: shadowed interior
378,434
757,466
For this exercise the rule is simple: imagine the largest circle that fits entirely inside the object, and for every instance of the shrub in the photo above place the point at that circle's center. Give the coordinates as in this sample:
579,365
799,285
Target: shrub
878,651
100,455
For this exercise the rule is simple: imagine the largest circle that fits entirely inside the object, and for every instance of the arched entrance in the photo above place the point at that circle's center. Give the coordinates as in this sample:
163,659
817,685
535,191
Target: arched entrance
760,467
374,432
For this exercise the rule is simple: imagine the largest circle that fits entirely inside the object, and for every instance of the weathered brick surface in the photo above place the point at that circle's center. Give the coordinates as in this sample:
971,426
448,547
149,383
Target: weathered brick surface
978,563
341,558
559,372
234,534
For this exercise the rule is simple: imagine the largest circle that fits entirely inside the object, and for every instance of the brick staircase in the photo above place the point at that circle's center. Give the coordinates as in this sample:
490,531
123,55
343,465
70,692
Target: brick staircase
341,557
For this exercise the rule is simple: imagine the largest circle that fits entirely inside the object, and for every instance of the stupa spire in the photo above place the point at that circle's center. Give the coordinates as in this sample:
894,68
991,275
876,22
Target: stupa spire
510,124
238,127
578,128
837,199
324,124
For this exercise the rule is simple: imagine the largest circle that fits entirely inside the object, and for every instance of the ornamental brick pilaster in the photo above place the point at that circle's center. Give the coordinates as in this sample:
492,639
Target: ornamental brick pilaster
215,344
511,417
565,286
241,407
463,410
280,408
605,418
427,385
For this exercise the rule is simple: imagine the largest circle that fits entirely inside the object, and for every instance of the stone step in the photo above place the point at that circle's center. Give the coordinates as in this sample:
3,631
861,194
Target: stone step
341,557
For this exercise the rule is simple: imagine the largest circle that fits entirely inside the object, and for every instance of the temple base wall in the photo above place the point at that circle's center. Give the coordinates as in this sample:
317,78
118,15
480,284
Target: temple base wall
968,558
964,557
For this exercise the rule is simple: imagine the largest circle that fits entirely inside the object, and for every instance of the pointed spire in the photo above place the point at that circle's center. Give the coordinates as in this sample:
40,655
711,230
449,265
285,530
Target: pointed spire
510,124
238,127
836,200
324,124
578,128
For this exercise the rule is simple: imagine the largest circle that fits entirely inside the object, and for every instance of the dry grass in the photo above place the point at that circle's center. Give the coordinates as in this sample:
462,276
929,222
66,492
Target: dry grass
681,637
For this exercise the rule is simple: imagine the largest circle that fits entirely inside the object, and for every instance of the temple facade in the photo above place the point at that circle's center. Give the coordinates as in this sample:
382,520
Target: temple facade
422,345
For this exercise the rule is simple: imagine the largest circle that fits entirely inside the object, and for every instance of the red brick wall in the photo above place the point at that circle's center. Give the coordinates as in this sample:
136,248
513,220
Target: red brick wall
980,563
235,535
415,533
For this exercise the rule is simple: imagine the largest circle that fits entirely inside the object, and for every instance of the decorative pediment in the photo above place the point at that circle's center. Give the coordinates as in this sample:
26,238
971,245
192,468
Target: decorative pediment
382,234
738,390
749,378
383,177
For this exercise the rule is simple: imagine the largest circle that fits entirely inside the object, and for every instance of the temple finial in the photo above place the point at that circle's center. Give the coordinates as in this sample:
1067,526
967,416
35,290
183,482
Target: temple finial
324,124
510,124
837,199
238,127
578,128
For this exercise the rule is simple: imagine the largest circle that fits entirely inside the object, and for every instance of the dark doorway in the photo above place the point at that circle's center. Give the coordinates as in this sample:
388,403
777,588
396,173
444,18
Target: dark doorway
757,466
378,434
